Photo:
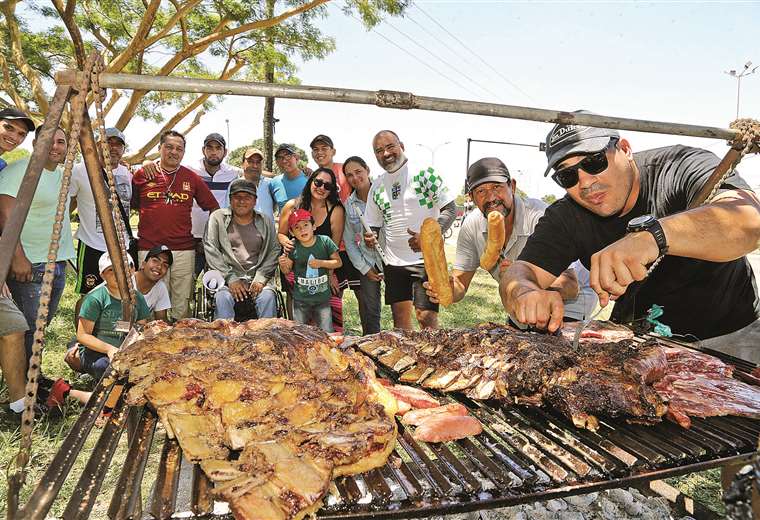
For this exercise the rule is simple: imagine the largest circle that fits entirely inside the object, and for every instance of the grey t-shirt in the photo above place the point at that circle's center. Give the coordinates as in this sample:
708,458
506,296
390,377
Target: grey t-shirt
472,242
246,243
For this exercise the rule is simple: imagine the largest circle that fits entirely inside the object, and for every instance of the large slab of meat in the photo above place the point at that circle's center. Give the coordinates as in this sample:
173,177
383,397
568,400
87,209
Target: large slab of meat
270,409
497,362
635,381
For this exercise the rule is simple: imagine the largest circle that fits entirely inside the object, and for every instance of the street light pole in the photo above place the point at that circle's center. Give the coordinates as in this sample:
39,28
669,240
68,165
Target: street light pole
228,130
433,150
739,75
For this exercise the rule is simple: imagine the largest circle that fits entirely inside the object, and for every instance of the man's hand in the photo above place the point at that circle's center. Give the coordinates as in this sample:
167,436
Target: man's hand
374,275
5,291
286,264
370,239
112,352
239,290
540,309
315,263
432,294
503,265
255,288
150,169
620,264
21,268
288,245
414,241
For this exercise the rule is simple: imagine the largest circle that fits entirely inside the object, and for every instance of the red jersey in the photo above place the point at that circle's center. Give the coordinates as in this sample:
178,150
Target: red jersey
345,188
165,205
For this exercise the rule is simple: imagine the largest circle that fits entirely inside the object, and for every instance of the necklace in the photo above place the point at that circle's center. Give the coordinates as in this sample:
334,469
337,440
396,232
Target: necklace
169,199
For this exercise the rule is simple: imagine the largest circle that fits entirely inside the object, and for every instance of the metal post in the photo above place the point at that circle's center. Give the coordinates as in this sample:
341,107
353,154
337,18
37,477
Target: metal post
104,212
738,94
393,99
12,228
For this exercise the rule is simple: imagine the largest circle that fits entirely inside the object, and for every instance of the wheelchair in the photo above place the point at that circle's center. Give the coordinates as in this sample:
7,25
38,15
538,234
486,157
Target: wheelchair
205,305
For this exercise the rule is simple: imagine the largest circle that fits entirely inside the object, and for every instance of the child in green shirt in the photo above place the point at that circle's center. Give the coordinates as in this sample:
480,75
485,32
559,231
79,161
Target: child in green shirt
311,260
100,311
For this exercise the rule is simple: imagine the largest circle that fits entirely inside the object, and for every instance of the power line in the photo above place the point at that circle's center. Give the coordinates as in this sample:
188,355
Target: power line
419,60
431,53
474,53
454,51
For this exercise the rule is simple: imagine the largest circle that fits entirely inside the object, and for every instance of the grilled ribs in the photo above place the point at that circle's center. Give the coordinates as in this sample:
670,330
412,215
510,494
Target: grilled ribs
270,409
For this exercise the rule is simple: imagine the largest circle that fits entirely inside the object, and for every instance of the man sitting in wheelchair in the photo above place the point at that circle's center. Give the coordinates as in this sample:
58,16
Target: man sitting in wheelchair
242,245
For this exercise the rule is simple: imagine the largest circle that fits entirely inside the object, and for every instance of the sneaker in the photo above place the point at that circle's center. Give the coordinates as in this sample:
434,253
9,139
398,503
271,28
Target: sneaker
58,393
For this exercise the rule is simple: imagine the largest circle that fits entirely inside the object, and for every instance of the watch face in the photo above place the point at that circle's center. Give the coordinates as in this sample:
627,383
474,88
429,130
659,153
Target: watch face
643,220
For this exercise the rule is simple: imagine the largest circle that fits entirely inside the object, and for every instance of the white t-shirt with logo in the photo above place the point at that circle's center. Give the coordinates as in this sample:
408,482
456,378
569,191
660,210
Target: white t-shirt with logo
402,200
158,297
90,230
218,184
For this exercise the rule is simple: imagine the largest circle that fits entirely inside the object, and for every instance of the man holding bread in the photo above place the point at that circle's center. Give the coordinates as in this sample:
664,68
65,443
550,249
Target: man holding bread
398,202
495,232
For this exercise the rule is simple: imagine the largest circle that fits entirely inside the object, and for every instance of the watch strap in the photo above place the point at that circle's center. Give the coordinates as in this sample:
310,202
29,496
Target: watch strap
659,236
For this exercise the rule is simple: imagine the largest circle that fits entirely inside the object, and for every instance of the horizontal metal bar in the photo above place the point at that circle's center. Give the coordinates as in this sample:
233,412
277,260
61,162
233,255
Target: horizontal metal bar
392,99
470,140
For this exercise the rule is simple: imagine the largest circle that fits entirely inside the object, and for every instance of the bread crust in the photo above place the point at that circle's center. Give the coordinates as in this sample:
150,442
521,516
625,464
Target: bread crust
495,242
431,243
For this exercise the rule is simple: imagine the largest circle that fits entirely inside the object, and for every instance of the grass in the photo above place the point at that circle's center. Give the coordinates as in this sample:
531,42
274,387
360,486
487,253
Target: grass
481,304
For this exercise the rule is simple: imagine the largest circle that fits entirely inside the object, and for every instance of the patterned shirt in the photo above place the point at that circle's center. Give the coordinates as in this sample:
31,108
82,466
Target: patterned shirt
402,200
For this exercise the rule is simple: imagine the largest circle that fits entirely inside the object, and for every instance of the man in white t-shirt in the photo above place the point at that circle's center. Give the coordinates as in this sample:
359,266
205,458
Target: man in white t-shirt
92,243
399,200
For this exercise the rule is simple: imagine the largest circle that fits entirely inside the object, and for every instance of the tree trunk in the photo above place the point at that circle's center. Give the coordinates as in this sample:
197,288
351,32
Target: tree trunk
268,130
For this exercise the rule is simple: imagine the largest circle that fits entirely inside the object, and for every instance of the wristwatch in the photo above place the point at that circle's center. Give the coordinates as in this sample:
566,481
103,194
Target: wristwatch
651,224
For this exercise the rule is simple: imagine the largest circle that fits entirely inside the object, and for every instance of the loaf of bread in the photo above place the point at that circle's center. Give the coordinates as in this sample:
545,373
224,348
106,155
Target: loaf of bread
431,243
495,242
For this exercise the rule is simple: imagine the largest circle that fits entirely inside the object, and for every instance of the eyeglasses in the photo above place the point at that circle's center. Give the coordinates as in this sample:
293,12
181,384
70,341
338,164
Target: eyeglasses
283,156
319,183
593,164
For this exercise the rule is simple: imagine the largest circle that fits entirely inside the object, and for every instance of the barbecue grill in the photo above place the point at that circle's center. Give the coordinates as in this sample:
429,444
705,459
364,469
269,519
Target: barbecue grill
523,455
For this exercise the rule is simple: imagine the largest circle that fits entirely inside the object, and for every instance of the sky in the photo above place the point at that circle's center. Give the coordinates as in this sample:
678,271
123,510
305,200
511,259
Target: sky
664,61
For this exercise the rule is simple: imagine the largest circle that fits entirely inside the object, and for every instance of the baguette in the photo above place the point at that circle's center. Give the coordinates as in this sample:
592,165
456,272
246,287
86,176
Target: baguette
495,241
431,243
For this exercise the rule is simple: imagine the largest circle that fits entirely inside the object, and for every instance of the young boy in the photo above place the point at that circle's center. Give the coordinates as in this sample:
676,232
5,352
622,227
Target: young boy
310,260
100,311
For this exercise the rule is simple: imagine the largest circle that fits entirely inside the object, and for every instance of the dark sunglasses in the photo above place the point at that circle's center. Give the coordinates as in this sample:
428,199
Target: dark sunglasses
593,164
319,183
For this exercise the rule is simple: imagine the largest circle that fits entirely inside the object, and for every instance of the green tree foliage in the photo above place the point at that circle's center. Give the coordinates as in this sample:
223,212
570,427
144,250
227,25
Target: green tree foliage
15,155
216,39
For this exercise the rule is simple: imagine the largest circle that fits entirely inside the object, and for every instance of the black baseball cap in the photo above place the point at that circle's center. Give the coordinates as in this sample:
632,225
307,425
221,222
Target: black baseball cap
487,169
243,185
321,138
157,250
15,114
215,137
288,148
565,140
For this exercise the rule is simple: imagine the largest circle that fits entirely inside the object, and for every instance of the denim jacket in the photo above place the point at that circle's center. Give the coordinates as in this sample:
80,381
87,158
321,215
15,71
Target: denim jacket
360,255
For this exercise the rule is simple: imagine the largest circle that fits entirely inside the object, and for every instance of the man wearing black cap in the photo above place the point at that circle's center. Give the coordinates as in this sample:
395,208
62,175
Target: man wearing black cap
290,183
323,153
241,243
622,212
491,188
14,127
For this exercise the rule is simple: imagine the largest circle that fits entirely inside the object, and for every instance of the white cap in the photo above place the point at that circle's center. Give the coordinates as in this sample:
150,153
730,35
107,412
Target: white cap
105,262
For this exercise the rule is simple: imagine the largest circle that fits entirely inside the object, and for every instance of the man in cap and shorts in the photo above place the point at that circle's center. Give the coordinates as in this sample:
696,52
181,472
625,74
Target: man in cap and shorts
623,211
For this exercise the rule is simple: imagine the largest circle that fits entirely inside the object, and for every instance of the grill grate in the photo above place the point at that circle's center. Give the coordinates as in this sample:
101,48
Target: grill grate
522,455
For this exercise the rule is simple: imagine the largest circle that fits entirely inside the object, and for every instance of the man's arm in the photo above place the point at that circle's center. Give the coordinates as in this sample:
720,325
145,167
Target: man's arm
21,267
724,230
86,338
567,284
522,289
460,282
204,197
212,248
448,216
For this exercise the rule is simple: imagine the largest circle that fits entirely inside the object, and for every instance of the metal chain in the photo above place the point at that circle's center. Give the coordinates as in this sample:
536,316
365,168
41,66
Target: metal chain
747,141
121,229
78,105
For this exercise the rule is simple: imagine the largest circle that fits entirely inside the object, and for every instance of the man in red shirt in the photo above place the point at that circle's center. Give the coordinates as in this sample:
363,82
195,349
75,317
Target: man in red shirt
165,203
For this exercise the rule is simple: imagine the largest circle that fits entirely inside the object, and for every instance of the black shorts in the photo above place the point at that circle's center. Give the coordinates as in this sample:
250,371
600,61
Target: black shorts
404,283
348,275
88,273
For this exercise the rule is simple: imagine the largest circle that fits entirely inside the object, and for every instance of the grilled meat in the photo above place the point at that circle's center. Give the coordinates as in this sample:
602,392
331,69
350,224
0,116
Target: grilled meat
270,409
447,427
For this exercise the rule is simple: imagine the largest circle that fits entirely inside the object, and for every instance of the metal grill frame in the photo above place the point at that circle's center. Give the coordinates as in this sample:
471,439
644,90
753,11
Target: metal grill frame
527,454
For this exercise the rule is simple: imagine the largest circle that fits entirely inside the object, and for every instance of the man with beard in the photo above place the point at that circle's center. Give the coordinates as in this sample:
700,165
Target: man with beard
399,200
623,211
266,198
323,153
491,188
165,203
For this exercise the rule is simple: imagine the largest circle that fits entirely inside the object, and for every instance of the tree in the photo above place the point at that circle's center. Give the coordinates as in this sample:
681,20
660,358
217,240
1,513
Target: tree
219,39
549,198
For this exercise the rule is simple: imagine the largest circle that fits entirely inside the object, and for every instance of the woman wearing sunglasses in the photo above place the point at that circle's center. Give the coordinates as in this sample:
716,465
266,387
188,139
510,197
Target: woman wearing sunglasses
626,214
320,198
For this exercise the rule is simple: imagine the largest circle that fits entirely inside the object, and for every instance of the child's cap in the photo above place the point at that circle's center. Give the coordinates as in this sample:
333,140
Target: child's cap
105,262
298,215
